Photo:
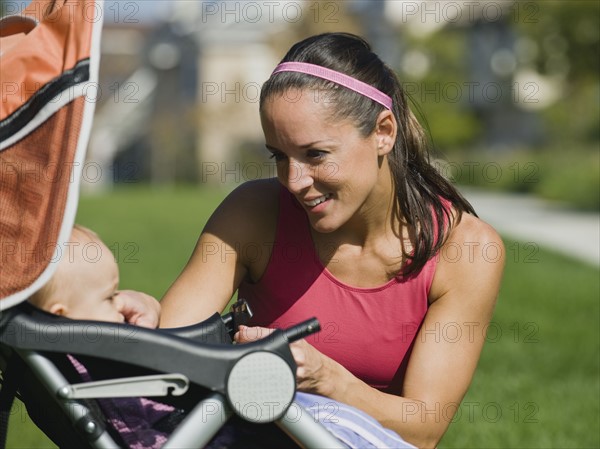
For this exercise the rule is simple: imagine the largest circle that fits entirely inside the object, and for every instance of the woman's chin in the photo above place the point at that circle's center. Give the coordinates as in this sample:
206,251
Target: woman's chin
324,226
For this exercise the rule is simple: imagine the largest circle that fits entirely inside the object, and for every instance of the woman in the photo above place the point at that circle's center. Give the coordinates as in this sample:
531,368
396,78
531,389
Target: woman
360,231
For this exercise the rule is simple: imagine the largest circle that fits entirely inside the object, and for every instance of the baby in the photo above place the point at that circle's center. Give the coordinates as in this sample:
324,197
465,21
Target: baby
84,287
85,283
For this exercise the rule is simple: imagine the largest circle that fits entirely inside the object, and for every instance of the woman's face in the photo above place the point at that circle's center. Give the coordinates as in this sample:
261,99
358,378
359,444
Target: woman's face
335,173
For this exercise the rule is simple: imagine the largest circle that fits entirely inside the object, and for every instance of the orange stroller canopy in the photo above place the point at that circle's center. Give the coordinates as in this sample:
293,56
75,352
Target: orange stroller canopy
49,56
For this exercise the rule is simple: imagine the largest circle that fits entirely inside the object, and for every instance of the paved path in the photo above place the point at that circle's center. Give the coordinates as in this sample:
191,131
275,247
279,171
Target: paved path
547,224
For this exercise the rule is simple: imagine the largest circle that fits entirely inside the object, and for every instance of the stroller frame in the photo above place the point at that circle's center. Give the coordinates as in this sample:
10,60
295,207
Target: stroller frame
19,330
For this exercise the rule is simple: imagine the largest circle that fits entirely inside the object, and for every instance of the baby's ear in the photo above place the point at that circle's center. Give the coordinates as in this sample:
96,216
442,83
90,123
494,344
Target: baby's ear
58,309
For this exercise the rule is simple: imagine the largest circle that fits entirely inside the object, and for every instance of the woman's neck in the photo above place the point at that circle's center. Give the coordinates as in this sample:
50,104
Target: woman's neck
375,220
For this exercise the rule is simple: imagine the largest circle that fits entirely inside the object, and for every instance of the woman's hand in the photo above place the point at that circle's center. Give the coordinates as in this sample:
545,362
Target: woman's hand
313,367
314,374
138,308
246,334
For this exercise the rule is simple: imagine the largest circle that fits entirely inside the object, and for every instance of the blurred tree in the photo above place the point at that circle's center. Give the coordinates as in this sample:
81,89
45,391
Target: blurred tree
561,41
433,72
565,34
541,55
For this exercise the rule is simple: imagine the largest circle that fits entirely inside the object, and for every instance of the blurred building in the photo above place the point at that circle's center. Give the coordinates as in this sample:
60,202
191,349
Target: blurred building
145,125
179,95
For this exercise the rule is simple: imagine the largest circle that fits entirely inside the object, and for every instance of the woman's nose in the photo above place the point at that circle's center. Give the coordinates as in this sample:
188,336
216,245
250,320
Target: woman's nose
297,177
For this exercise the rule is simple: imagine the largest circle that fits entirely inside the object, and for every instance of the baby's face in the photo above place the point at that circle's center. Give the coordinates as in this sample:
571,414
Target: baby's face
94,279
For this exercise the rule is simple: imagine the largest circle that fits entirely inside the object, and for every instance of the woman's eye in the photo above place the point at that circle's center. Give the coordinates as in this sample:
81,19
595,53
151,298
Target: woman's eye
316,154
277,156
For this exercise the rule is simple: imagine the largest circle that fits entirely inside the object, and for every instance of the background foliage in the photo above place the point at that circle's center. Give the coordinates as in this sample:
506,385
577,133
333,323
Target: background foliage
559,42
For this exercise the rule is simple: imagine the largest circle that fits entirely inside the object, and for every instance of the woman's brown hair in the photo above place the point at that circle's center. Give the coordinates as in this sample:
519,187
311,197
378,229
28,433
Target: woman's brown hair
421,190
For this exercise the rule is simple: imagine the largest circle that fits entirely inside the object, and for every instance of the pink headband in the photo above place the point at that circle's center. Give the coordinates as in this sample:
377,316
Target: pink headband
338,78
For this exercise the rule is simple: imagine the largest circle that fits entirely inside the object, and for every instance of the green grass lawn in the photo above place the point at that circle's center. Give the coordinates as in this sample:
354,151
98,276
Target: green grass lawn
538,381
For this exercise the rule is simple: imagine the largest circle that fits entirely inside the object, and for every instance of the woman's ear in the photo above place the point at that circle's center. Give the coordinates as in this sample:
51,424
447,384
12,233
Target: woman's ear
385,132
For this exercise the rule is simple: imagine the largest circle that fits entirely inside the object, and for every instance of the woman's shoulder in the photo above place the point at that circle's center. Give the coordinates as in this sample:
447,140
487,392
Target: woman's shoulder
261,193
471,241
251,209
471,230
256,200
472,255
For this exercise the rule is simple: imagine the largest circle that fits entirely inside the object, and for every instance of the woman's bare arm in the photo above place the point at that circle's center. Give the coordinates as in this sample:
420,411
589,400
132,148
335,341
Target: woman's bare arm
220,259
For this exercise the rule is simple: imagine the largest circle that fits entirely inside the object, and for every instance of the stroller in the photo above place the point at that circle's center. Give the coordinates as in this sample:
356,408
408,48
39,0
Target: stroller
49,64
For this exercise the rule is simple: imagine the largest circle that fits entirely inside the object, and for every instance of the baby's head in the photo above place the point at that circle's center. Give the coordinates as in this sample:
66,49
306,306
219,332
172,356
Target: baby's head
85,281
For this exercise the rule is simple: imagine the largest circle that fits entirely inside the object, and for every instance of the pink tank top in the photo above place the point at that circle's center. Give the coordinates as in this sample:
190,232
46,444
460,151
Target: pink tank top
370,331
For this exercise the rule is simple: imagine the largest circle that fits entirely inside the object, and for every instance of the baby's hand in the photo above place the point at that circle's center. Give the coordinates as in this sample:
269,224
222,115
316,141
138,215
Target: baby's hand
138,308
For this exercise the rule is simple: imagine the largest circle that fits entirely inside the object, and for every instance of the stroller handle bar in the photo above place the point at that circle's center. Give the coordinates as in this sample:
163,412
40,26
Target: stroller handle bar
301,330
